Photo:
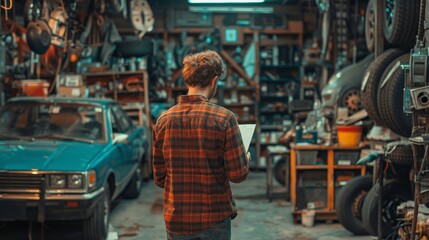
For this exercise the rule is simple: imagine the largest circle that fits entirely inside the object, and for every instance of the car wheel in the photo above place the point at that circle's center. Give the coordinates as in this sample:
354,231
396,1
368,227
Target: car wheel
391,96
146,169
395,192
97,225
401,22
349,203
132,190
371,81
280,169
350,98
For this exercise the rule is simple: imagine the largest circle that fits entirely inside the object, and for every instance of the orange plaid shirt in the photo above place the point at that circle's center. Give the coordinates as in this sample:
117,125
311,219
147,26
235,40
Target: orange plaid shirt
197,150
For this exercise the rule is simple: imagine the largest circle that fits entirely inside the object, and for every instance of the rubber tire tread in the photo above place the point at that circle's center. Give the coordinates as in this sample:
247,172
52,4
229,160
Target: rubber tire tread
405,25
344,201
93,226
279,174
374,73
403,154
390,99
131,191
370,205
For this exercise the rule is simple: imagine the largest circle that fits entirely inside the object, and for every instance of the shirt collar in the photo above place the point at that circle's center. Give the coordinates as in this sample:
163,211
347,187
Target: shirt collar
192,98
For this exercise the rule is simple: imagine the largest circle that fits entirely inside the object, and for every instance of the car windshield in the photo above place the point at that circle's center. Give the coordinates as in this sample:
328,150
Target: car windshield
59,121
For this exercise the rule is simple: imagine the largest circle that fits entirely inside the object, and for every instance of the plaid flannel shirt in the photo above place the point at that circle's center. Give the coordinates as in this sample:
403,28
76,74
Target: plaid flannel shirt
197,150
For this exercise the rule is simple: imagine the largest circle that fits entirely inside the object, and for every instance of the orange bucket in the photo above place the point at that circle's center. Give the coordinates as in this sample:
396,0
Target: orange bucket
349,135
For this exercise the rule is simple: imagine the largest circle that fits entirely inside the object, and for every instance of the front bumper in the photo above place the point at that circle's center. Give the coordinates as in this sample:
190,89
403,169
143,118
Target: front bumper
30,207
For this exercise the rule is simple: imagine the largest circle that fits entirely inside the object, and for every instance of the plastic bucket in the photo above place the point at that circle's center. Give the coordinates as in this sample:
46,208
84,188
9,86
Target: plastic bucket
307,217
349,135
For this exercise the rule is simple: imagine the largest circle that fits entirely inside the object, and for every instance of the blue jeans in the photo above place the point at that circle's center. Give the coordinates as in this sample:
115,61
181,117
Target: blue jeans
218,231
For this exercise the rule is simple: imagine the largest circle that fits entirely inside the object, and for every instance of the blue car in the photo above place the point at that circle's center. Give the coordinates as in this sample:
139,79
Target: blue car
67,159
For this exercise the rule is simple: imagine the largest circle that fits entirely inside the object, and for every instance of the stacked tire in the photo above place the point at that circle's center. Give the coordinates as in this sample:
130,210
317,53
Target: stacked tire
349,204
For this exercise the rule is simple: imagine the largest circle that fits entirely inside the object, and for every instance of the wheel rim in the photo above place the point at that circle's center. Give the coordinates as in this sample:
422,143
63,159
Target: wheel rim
352,101
357,204
390,13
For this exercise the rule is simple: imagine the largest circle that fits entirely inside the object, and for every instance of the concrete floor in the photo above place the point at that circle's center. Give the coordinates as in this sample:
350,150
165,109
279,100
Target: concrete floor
258,219
142,219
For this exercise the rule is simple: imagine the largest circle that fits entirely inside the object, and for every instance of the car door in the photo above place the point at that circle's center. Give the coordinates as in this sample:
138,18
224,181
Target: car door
132,147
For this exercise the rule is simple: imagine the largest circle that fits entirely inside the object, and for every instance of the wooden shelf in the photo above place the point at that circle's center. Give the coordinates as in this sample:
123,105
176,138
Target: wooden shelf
275,96
239,88
311,167
111,73
282,80
274,127
271,144
288,66
238,104
328,173
275,112
352,167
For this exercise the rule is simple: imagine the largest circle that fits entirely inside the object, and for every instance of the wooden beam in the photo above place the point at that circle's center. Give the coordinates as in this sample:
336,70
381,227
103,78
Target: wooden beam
234,65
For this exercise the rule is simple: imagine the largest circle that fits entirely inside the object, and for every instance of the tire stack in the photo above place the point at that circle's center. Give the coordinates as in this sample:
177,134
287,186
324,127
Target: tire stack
383,83
382,97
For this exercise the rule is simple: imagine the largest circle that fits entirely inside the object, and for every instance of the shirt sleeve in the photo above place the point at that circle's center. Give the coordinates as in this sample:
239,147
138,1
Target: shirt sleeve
159,168
236,165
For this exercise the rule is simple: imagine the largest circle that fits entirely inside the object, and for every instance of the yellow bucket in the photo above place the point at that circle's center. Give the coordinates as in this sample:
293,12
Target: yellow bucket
349,135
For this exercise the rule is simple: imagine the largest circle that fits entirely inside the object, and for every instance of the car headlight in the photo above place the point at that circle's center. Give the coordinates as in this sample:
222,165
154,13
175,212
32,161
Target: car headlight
75,181
57,181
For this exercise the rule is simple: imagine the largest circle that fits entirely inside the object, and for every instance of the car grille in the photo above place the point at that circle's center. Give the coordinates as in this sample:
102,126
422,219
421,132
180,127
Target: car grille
20,182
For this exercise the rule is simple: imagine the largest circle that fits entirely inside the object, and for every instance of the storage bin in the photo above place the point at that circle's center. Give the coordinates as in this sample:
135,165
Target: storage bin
346,158
306,157
349,135
316,195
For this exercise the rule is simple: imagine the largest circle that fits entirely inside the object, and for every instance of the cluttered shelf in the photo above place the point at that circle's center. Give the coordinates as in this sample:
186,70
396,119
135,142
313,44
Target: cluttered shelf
265,79
311,167
287,66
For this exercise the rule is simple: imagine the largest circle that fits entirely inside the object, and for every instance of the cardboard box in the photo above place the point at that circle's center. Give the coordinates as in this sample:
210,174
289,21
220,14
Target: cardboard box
64,91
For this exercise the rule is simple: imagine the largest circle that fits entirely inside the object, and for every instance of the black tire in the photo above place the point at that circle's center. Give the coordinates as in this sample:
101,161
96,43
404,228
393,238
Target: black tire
391,96
401,22
133,48
133,188
280,169
395,192
97,225
349,202
401,153
371,80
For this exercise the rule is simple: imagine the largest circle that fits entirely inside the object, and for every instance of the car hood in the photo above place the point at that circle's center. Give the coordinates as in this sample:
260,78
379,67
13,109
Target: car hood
47,155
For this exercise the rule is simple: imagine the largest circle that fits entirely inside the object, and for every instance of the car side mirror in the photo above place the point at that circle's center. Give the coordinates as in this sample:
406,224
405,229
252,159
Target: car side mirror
120,138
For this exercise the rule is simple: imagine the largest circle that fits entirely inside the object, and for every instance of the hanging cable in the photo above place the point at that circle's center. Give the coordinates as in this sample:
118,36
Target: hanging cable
421,20
7,7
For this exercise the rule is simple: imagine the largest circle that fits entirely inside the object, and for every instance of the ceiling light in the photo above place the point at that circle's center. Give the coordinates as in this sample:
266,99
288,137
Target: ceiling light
226,1
232,9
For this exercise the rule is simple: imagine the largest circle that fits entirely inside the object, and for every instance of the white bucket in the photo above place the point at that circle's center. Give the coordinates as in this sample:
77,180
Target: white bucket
307,217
